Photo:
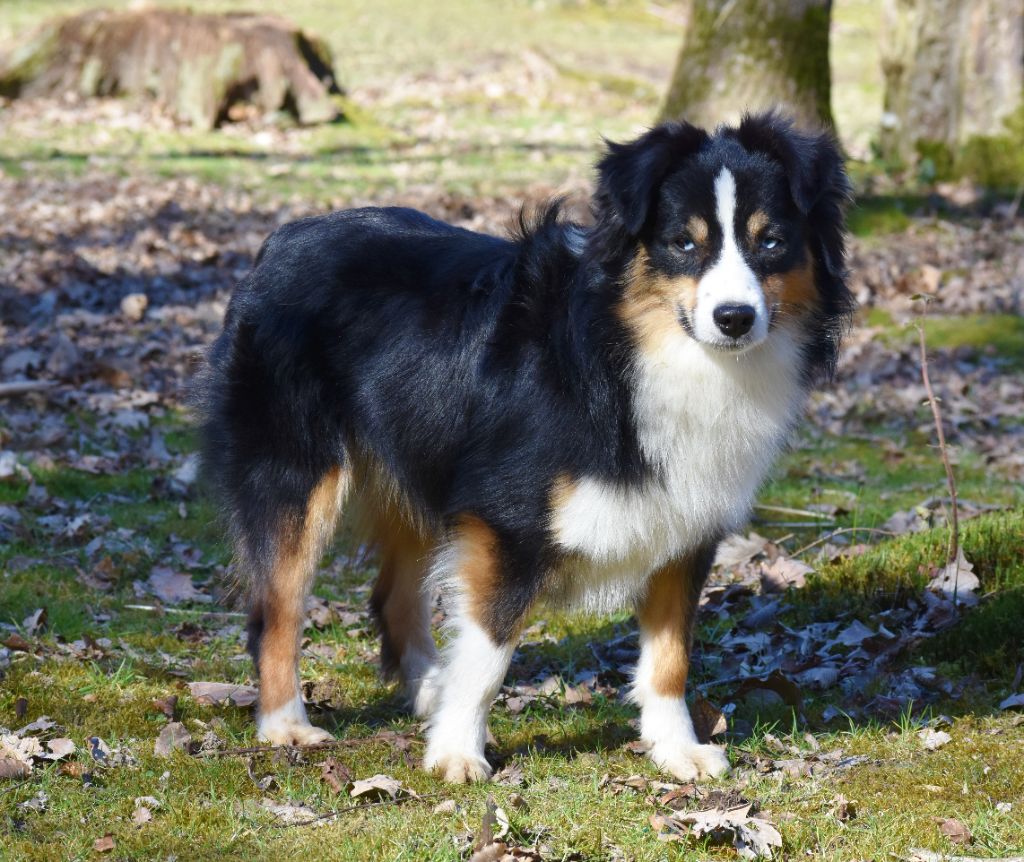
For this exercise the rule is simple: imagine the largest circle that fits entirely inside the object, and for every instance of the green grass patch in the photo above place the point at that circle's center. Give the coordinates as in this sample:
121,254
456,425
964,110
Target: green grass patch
895,569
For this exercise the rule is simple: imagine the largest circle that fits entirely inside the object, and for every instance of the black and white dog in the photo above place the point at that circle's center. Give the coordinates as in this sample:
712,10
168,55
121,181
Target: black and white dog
575,415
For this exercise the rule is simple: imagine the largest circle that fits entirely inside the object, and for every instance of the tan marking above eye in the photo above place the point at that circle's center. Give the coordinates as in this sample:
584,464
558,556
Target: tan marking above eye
757,223
697,228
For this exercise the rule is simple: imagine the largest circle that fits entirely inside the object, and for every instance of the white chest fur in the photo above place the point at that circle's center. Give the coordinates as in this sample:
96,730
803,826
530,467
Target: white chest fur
712,424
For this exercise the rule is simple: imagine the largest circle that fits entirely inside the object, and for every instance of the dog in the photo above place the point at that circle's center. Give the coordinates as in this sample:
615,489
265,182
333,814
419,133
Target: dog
575,415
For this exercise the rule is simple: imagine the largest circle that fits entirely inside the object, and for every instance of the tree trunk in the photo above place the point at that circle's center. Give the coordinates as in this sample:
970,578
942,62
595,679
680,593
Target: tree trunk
198,65
993,67
739,56
954,69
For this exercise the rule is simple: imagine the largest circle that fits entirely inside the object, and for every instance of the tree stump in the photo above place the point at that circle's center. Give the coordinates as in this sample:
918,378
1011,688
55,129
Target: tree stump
198,65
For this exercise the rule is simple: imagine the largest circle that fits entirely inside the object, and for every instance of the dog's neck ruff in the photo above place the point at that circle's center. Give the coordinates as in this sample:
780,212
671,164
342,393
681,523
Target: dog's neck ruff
709,425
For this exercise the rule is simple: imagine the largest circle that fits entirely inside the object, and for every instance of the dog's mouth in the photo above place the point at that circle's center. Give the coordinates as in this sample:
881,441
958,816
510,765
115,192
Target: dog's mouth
721,343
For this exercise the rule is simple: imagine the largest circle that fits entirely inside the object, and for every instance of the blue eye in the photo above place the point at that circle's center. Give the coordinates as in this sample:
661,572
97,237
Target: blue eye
687,244
770,242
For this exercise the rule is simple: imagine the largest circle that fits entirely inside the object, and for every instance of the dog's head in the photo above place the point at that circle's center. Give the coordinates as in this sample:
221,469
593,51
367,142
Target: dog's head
732,235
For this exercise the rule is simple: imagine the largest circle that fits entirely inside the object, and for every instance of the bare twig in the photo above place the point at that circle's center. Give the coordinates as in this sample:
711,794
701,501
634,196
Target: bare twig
792,525
954,531
313,746
331,815
23,387
15,786
841,532
918,855
200,611
785,510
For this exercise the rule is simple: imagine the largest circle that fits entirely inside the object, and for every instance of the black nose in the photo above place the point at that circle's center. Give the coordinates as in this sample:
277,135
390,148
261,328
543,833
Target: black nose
734,320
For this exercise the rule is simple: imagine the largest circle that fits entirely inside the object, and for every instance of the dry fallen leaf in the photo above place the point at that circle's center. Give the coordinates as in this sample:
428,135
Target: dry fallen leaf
957,581
783,574
59,748
35,622
13,767
678,797
172,587
166,705
173,736
753,837
777,682
1014,701
843,809
104,844
335,774
737,550
954,830
933,739
16,754
287,812
221,693
378,787
708,720
510,775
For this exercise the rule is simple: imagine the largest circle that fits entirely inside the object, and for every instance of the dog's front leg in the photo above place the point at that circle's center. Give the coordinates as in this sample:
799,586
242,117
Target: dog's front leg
471,674
474,661
667,615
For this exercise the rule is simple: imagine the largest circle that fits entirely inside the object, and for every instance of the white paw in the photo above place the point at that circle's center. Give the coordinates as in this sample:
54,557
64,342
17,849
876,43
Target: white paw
291,732
690,762
458,767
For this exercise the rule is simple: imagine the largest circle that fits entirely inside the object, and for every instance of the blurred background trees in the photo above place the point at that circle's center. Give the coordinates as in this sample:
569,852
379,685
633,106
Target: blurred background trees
751,56
954,75
919,90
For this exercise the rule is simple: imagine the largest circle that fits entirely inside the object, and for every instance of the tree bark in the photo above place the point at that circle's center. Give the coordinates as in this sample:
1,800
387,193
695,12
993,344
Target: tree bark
953,69
197,64
740,56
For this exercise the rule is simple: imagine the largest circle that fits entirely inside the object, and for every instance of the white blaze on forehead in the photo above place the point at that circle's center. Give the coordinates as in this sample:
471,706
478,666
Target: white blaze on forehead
730,281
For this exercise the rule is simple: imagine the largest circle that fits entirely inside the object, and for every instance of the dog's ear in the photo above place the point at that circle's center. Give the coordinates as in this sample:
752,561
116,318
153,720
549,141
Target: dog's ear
812,161
629,174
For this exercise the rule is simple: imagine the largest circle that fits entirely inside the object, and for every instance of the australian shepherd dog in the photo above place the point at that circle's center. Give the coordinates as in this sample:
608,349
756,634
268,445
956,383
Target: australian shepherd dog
575,415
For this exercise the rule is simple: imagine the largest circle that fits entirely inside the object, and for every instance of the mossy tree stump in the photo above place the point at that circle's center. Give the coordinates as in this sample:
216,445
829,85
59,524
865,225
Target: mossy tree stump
738,57
196,64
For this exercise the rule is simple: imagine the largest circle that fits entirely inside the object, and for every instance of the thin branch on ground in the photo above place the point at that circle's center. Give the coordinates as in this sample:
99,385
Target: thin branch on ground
840,532
388,736
200,611
331,815
786,510
23,387
15,786
918,855
954,526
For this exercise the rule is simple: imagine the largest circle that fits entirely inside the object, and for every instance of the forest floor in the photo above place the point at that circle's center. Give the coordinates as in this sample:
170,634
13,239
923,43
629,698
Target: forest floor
866,712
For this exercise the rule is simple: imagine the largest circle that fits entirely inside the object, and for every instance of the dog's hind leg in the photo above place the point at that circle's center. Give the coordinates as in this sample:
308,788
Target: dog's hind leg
485,615
402,604
278,590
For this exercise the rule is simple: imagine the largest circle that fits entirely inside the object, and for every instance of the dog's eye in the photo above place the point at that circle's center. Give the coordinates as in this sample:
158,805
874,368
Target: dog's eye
770,243
686,244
